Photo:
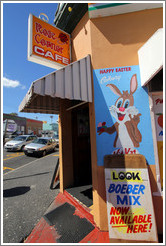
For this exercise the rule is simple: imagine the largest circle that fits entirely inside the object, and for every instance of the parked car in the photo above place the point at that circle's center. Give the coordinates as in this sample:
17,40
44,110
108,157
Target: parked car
40,146
57,140
56,137
19,142
10,137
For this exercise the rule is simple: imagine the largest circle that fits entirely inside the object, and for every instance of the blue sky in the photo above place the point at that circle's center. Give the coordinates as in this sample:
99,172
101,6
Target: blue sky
18,72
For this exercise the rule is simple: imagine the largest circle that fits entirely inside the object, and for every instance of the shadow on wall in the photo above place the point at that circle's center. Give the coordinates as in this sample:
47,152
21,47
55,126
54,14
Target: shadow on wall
81,39
130,28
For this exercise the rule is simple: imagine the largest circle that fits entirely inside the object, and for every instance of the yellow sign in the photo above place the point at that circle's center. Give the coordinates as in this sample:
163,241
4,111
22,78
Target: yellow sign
132,176
47,45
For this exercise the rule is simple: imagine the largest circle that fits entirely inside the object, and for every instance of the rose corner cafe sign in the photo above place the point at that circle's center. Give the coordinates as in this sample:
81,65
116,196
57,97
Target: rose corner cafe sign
47,45
50,46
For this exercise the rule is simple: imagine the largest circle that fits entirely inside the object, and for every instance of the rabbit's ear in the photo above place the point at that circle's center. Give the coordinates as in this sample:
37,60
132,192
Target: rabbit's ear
133,84
114,89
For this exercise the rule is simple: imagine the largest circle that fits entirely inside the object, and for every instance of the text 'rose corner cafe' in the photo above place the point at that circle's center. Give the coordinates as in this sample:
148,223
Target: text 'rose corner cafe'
108,92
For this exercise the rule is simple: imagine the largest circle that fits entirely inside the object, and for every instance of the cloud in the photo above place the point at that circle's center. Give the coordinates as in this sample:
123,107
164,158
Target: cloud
9,83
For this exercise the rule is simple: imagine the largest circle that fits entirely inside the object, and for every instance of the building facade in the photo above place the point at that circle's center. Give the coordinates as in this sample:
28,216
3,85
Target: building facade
114,108
34,126
22,125
50,130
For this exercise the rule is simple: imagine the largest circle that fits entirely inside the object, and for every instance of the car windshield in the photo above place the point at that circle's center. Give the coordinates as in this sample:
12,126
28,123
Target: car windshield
40,141
20,138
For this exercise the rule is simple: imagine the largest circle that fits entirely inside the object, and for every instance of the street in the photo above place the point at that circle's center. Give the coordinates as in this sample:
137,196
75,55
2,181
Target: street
26,193
13,160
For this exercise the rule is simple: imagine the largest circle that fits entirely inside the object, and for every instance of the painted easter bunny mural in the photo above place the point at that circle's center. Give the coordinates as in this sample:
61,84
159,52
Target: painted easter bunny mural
127,118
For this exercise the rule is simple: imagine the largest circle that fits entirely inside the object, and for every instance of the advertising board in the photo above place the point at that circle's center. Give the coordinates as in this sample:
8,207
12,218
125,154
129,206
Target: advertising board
9,125
129,204
47,45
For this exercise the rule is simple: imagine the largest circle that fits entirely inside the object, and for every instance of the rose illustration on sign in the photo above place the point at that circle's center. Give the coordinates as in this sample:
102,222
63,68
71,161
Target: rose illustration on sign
63,38
127,118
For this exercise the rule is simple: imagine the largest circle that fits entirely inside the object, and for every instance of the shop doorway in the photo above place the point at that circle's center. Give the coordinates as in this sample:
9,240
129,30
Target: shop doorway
81,146
82,189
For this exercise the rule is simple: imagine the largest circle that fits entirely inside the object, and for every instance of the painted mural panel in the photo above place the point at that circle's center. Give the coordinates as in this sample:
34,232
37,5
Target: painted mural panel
123,124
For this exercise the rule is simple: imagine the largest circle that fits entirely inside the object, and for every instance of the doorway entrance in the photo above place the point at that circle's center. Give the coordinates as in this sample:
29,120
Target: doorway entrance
82,173
81,146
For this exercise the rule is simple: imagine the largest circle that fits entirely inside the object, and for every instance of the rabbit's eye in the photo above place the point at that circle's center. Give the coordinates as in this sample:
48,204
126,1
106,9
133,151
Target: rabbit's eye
126,103
119,103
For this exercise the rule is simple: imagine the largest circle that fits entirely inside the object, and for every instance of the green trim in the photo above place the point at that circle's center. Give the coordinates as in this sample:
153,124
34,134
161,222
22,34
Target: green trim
107,6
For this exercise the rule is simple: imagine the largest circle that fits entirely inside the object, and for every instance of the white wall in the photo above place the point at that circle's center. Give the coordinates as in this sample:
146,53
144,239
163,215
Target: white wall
151,57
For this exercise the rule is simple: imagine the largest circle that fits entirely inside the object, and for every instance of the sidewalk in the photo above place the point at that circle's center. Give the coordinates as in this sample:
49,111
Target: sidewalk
67,221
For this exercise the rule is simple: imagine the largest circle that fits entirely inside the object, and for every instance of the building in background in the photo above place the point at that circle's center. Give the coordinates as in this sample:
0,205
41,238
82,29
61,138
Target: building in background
18,124
51,126
13,124
116,71
34,126
50,130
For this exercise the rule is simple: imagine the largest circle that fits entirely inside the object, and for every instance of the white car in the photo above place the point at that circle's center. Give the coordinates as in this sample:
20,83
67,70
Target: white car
57,141
56,137
40,146
19,142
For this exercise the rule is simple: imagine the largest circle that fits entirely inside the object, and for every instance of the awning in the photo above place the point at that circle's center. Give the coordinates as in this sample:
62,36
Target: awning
151,57
72,82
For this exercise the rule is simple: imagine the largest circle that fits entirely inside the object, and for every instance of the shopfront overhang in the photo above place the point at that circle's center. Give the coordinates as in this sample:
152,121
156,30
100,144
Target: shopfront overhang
151,57
72,82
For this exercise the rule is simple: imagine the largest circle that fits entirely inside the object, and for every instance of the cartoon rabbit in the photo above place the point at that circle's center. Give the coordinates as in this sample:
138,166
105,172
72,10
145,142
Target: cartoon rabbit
127,117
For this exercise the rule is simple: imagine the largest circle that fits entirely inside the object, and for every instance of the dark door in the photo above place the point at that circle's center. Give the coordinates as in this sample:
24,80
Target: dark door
81,146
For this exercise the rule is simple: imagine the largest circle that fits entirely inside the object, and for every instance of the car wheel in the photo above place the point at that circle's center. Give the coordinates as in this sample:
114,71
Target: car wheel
54,149
22,147
44,153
